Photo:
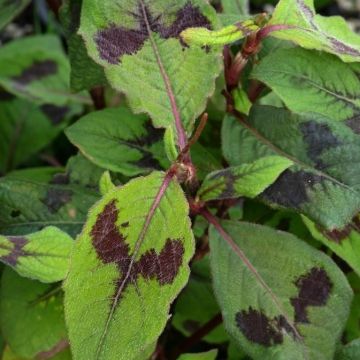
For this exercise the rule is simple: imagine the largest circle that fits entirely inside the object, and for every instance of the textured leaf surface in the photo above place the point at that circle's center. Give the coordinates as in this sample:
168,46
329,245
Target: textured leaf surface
209,355
36,68
343,242
324,181
26,128
350,352
239,7
273,307
85,73
134,249
32,315
248,180
31,200
120,141
43,256
197,305
313,31
9,9
309,81
138,43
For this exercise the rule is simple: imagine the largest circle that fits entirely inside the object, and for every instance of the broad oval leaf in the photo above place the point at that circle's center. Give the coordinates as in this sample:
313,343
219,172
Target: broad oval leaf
291,304
32,316
248,180
309,81
42,256
36,68
138,42
134,250
324,181
120,141
313,31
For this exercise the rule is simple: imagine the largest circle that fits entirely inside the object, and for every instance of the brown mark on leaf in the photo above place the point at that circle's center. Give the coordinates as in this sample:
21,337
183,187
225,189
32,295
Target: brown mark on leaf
60,179
116,41
37,71
229,179
258,328
17,251
354,124
111,247
342,48
318,138
54,113
290,189
314,290
56,198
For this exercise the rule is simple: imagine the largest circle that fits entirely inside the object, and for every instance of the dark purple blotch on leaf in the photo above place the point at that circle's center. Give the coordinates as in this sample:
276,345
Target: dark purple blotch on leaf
260,329
111,247
17,251
37,71
354,124
54,113
290,189
117,41
229,179
314,290
56,198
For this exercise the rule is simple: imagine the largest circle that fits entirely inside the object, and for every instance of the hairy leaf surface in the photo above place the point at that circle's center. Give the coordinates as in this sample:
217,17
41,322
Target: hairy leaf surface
42,256
324,181
310,81
32,316
134,250
120,141
272,306
36,68
313,31
138,42
248,180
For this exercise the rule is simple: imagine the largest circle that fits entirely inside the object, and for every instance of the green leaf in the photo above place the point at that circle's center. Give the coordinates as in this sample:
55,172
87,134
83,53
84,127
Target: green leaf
309,81
138,44
324,181
85,73
209,355
120,141
313,31
26,128
197,305
32,316
238,7
352,329
280,298
134,249
36,68
248,180
227,35
42,256
106,185
9,9
343,242
350,352
32,200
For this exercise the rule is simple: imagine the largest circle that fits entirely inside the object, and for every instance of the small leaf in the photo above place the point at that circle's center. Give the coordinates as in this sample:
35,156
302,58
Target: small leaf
323,183
227,35
106,183
139,45
9,9
134,249
42,256
248,180
120,141
313,31
209,355
309,81
32,316
278,295
36,68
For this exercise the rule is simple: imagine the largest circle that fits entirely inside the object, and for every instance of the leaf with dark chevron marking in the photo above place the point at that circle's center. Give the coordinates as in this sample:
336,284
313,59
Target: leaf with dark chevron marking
313,31
323,183
134,249
138,43
42,256
248,180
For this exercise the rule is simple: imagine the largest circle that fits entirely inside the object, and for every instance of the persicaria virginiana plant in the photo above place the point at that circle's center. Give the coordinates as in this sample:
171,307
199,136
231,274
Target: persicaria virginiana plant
180,180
